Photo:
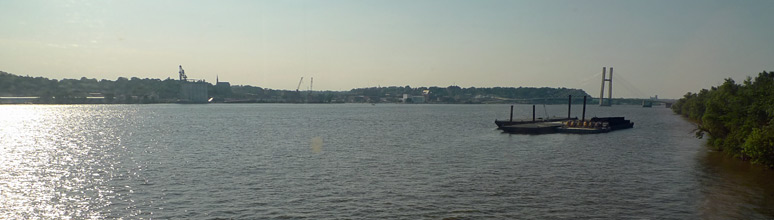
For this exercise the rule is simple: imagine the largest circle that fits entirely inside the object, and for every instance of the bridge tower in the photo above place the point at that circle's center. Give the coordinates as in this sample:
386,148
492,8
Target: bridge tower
610,89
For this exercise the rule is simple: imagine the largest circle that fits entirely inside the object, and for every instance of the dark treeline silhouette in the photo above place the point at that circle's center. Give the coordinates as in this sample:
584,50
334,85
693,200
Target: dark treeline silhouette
456,94
739,118
137,90
122,90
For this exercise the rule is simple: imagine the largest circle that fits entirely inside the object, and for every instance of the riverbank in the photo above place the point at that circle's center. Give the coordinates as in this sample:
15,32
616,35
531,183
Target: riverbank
737,118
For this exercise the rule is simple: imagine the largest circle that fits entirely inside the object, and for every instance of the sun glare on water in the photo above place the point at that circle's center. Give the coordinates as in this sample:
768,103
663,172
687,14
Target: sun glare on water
45,171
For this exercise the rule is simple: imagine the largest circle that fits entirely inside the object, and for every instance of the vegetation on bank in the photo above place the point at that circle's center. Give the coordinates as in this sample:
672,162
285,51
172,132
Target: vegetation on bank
739,118
136,90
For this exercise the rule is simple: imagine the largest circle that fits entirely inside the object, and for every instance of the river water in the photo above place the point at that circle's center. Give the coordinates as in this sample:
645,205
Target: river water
345,161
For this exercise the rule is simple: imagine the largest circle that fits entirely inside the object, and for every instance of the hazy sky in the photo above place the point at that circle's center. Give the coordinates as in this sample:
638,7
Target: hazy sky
664,48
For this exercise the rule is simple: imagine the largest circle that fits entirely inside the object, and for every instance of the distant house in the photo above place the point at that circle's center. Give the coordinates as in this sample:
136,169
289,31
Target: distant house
413,99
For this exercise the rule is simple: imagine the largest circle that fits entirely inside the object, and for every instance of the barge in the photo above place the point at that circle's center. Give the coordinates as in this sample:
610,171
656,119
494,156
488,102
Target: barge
567,125
501,123
595,125
532,128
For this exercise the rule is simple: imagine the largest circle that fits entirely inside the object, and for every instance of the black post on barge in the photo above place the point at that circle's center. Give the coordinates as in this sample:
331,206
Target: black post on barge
583,118
511,113
533,113
569,107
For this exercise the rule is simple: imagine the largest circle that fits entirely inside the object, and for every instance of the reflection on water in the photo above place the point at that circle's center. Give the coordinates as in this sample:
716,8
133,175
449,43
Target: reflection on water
317,143
52,161
734,189
359,161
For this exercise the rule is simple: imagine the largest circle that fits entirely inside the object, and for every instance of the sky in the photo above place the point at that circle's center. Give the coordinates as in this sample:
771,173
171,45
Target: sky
656,47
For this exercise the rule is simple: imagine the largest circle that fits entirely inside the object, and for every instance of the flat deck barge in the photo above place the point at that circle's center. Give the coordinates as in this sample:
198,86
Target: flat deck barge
532,128
501,123
566,125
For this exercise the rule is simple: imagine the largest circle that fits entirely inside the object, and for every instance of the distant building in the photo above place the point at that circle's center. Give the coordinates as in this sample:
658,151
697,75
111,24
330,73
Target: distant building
194,92
413,99
223,84
222,89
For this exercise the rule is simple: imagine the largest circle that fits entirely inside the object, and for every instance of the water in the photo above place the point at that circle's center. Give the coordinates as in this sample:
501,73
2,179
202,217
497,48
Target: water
347,161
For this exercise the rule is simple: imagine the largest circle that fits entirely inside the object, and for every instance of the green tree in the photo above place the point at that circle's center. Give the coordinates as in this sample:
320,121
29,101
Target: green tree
737,117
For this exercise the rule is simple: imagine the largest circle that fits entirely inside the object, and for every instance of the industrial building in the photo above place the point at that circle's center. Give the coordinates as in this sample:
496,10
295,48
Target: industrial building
192,91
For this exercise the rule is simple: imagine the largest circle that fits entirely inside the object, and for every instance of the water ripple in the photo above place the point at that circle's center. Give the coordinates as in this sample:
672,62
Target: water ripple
355,162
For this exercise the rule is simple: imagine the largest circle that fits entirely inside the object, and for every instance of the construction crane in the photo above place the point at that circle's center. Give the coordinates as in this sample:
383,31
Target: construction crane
311,83
299,83
183,77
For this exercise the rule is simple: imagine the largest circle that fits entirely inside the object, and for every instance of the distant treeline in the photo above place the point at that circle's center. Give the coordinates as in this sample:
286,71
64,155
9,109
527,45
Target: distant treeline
137,90
456,94
121,90
739,118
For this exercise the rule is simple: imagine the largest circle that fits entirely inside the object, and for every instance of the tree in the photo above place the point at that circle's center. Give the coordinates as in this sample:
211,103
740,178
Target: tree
739,118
